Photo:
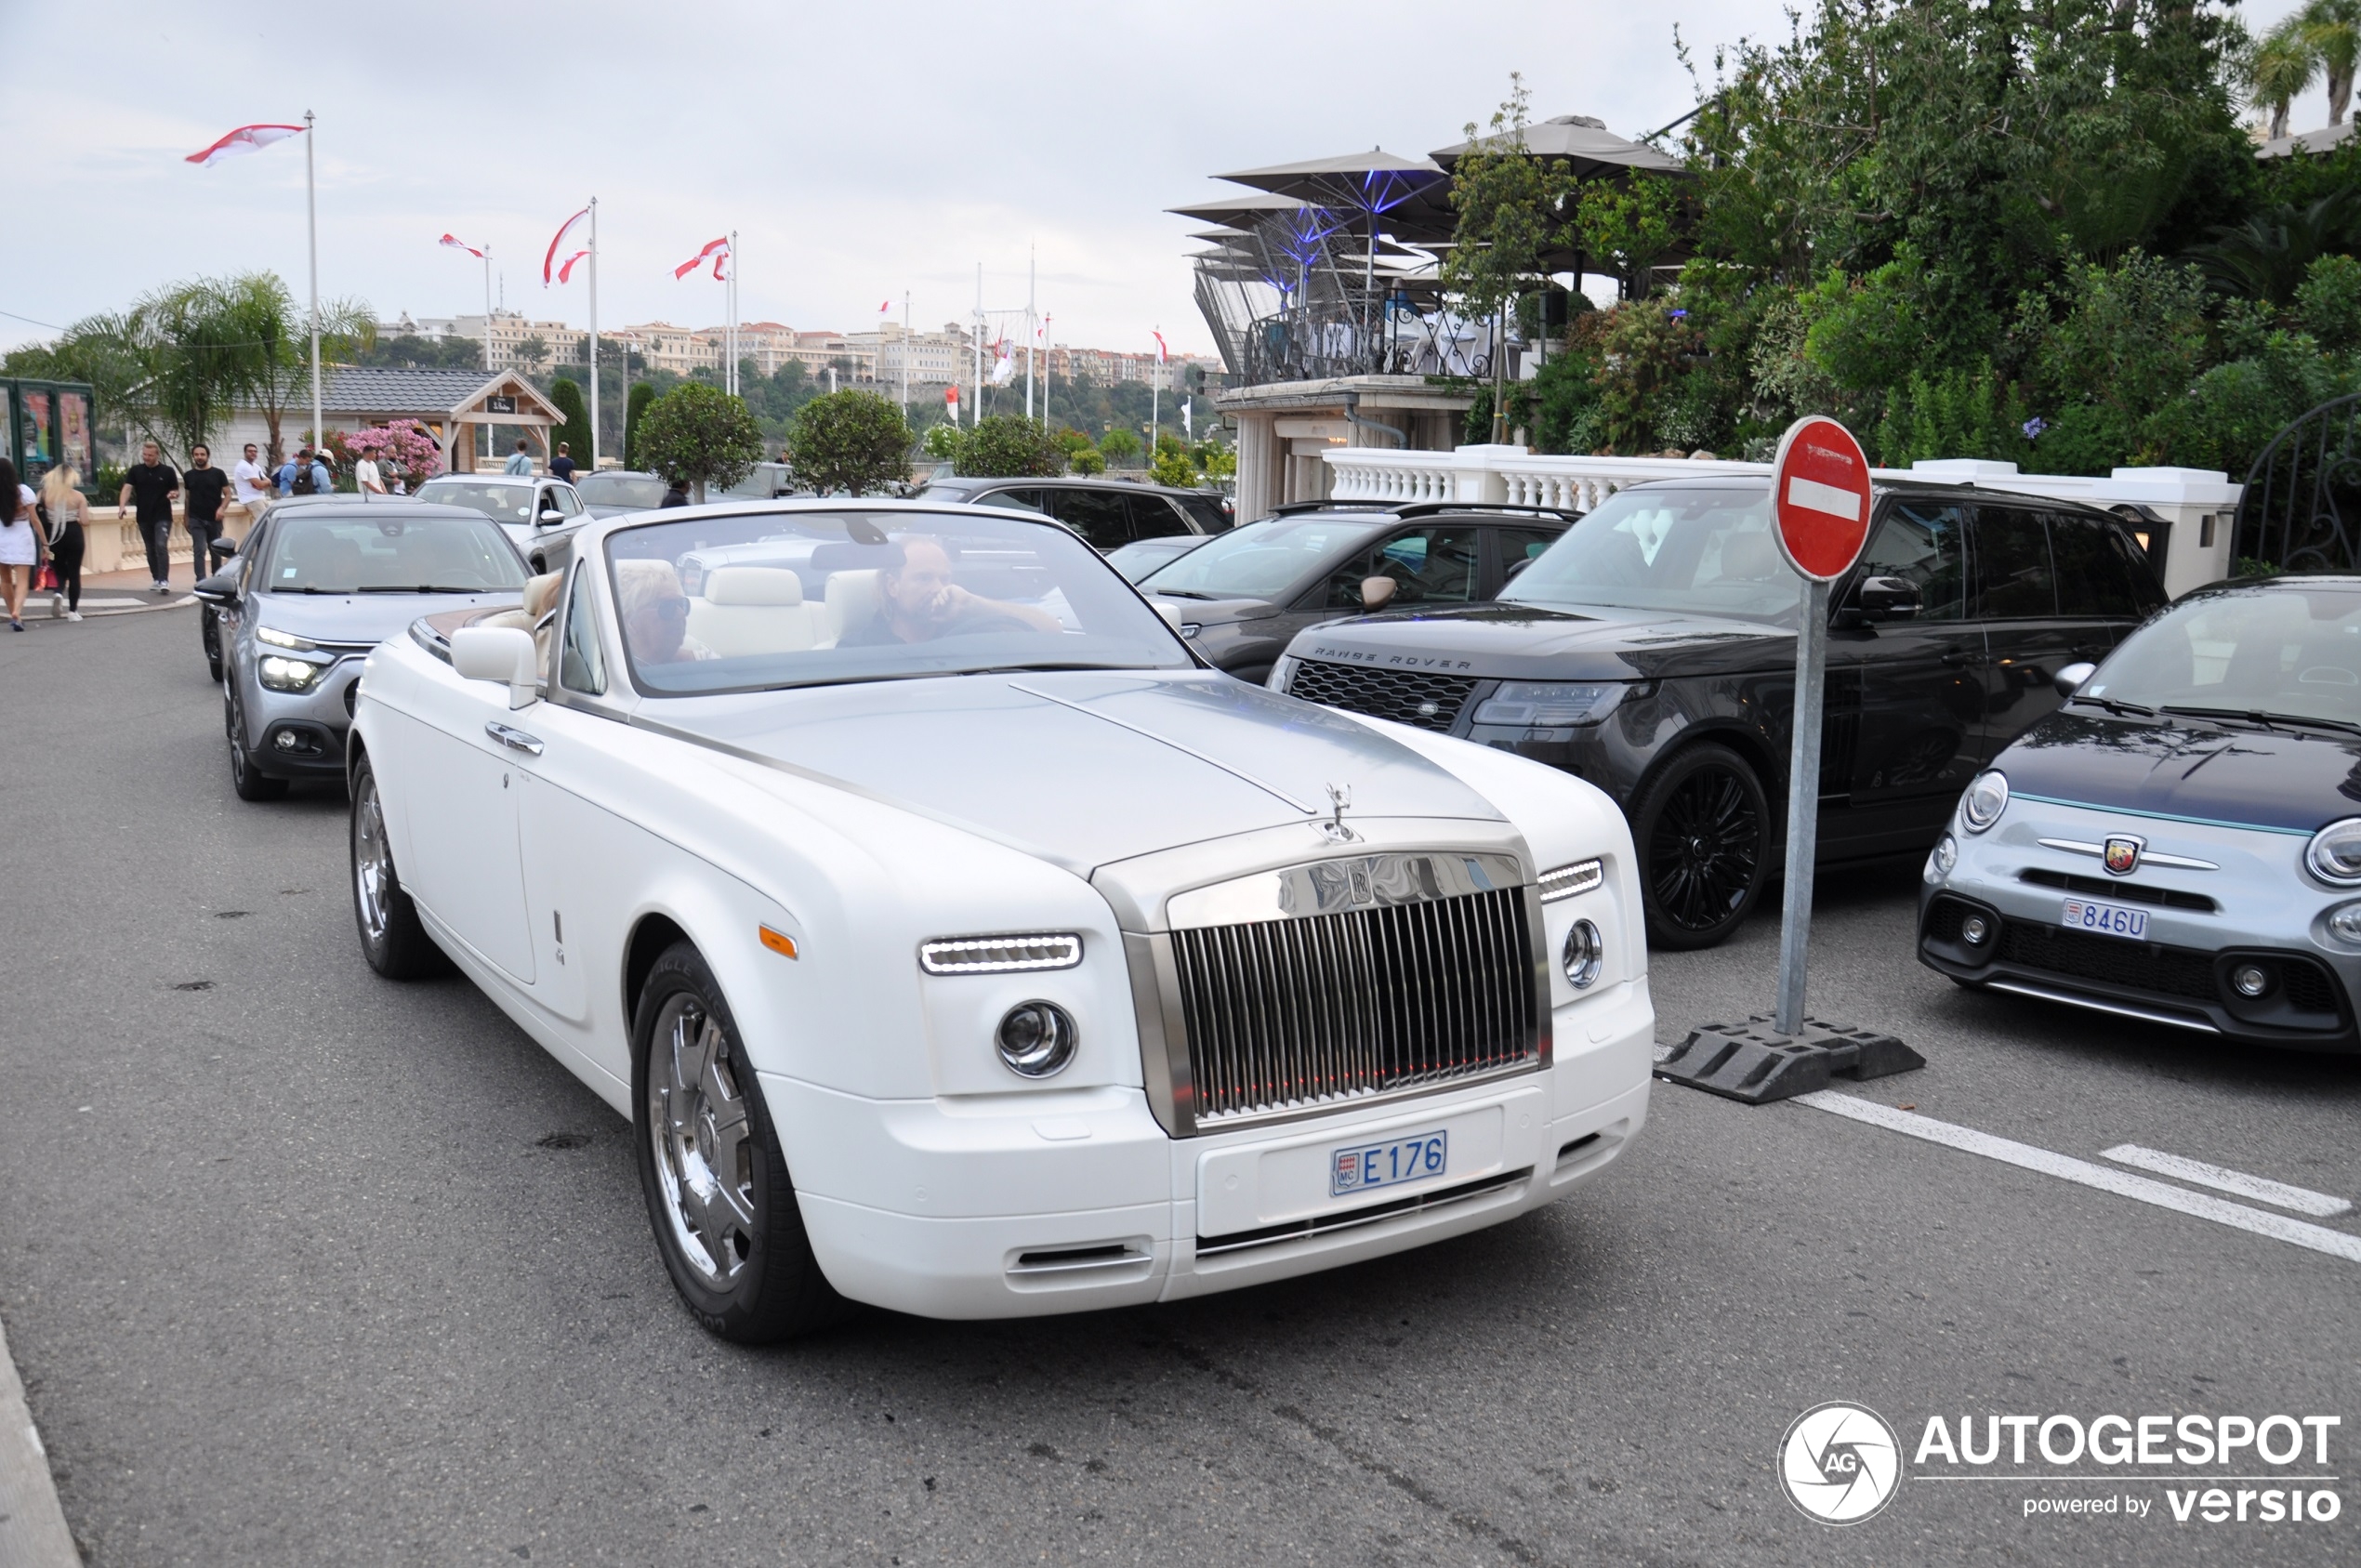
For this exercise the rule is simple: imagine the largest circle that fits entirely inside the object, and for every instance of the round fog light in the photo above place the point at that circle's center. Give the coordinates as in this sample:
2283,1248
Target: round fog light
2253,980
2346,922
1976,930
1584,954
1036,1039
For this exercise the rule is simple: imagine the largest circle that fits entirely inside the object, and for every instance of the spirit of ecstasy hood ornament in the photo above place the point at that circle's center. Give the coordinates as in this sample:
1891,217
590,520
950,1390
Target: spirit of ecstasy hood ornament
1340,799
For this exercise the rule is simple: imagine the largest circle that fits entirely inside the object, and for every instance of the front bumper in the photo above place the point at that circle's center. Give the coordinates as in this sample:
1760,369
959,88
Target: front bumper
1027,1205
2256,908
313,722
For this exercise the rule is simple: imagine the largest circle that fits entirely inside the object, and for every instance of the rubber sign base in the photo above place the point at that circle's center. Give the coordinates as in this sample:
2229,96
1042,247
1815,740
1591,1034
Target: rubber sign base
1754,1063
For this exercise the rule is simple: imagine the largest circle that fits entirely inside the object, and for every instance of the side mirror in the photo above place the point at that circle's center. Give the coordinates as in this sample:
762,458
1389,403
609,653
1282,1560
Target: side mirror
221,588
2070,680
550,515
1172,614
1887,599
502,654
1377,592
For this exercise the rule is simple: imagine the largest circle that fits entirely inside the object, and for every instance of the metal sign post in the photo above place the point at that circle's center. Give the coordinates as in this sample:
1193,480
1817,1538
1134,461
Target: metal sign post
1820,510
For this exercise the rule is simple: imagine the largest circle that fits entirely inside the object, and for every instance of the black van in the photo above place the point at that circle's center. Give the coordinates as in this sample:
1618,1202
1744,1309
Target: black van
1651,651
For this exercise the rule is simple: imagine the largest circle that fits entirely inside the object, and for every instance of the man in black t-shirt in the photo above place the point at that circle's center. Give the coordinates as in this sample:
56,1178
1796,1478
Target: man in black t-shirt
153,482
563,465
204,485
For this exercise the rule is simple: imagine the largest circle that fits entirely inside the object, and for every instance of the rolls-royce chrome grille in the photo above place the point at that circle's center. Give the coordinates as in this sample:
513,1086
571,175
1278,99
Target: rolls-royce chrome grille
1303,1013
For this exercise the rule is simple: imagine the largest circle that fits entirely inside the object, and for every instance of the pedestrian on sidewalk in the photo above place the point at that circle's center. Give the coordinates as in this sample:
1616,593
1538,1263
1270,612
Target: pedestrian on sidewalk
366,476
676,494
23,546
304,475
154,482
520,461
253,483
68,514
205,487
563,465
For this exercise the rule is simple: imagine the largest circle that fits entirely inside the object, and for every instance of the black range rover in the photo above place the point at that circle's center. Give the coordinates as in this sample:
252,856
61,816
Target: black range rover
1652,652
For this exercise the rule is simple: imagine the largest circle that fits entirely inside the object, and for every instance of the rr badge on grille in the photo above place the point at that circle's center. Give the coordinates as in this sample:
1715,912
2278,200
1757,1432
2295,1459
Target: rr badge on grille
2123,854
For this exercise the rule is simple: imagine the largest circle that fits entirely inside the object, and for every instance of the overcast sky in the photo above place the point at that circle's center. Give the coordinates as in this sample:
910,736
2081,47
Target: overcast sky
862,150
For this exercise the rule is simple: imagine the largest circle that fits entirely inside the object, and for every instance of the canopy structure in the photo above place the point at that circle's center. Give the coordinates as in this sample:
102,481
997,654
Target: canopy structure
1329,267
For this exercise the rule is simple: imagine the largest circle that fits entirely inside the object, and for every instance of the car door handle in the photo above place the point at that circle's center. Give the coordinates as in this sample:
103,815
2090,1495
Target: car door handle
514,739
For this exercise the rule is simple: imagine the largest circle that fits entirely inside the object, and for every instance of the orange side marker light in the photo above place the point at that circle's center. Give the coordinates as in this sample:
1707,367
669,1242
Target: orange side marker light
777,942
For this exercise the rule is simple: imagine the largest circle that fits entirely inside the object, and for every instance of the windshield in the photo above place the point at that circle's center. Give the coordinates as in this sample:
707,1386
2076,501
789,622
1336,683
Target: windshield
1262,559
641,491
2268,651
312,554
501,503
1141,557
1699,552
795,598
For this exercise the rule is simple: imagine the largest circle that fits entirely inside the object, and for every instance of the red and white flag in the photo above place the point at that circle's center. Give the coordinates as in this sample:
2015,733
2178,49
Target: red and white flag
1162,357
245,139
457,244
718,251
565,267
549,257
951,402
884,306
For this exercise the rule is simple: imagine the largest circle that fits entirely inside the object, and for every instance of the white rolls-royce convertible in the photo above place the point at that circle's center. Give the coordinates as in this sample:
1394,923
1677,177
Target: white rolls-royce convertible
955,942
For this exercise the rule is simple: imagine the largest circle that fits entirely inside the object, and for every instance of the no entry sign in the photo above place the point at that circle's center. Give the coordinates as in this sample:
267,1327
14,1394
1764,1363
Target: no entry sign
1820,497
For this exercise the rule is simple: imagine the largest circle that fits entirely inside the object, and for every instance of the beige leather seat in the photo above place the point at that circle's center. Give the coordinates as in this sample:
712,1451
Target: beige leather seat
749,610
853,599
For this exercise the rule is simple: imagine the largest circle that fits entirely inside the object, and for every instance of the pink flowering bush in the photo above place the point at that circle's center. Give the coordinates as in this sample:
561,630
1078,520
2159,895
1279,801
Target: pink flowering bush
404,447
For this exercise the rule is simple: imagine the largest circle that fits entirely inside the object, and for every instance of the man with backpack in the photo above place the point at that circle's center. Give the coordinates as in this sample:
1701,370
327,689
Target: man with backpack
303,475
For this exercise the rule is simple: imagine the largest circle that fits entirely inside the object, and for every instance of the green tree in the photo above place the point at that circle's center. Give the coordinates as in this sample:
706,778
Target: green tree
1508,203
1172,467
699,435
634,409
1628,224
942,442
851,441
1009,446
575,430
1085,460
2278,69
1120,447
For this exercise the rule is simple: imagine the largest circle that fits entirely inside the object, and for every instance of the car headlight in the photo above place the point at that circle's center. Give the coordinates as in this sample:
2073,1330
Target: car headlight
1564,881
1548,704
1036,1039
1988,796
278,638
1282,674
1945,856
2334,854
288,675
1583,956
998,956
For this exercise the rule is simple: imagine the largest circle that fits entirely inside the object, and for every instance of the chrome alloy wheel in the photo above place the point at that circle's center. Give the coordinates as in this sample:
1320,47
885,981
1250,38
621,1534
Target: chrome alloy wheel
703,1157
372,862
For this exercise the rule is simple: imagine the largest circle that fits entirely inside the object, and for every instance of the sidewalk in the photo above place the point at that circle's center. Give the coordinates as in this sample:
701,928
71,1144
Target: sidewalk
33,1528
114,593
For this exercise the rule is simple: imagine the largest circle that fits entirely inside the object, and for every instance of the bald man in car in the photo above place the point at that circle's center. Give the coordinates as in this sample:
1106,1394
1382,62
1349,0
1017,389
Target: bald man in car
917,602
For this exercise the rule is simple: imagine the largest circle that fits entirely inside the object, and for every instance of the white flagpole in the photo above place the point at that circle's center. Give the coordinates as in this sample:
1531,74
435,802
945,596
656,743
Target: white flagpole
487,309
733,312
977,412
311,217
905,356
1155,405
1031,274
594,334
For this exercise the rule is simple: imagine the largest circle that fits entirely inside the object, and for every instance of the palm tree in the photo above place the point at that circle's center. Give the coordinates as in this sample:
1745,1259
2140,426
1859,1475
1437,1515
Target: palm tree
2280,68
2333,29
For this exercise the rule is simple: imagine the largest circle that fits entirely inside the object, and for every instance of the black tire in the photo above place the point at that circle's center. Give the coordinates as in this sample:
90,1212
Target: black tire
250,781
392,938
1702,827
757,1282
209,636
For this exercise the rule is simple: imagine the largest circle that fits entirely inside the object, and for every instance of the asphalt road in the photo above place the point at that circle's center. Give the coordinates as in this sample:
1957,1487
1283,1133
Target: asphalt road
300,1267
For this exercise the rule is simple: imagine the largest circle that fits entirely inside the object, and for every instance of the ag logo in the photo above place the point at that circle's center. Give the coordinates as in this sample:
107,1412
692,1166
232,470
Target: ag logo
1840,1463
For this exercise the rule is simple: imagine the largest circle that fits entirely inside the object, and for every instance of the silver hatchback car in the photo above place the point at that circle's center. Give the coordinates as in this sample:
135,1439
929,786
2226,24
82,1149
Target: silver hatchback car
314,590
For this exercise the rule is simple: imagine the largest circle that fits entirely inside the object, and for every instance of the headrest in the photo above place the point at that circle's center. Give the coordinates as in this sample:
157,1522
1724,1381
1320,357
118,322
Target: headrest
541,593
753,585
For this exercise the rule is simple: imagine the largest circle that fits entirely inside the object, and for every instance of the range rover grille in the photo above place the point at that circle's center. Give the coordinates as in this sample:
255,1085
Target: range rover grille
1281,1014
1431,701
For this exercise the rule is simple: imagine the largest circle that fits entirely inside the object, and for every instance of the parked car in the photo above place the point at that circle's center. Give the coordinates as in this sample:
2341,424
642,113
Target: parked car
313,592
613,492
2182,841
764,481
1108,513
1241,597
1652,652
538,513
1038,950
1141,557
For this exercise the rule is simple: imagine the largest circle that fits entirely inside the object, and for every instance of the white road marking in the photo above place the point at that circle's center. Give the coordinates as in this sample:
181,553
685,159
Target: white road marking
2278,1227
2261,1189
1811,495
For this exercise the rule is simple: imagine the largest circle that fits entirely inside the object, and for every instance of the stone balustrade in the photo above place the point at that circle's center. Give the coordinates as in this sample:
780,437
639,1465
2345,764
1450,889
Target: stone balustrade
2198,506
111,541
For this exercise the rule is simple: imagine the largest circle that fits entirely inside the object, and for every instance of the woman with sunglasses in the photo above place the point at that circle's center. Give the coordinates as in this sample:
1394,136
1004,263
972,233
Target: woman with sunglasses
655,613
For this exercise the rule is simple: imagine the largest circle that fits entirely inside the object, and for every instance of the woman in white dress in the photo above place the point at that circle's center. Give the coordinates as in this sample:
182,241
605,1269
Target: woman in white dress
22,548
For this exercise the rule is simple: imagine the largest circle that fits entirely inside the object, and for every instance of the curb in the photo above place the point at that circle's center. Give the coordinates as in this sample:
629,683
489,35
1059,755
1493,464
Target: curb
32,1527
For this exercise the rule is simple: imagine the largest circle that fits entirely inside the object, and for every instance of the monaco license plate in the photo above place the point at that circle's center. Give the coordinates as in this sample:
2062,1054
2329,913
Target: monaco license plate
2108,919
1389,1164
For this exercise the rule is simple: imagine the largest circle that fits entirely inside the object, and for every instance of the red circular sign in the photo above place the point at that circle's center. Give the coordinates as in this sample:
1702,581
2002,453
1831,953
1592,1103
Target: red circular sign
1820,497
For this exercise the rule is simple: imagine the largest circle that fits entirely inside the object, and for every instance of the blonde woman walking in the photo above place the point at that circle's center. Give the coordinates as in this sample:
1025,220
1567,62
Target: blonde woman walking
68,512
22,546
